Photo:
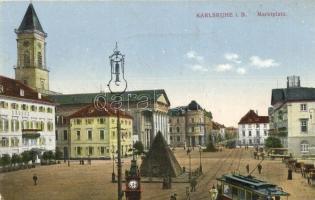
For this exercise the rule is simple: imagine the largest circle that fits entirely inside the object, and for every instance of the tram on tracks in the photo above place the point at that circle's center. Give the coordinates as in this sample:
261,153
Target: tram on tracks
239,187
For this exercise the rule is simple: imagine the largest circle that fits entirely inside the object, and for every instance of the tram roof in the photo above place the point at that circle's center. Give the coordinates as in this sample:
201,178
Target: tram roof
253,184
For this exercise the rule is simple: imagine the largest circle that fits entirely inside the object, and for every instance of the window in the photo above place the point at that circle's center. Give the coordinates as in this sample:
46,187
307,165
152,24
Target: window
21,92
42,83
65,135
257,125
170,129
1,89
78,121
192,120
49,110
89,133
257,133
113,133
250,141
3,104
178,138
39,59
14,106
304,147
249,133
243,132
79,149
102,134
192,129
102,150
177,129
41,109
42,125
249,126
243,125
171,137
303,125
303,107
56,135
265,125
33,108
91,151
27,61
78,135
101,120
265,133
177,120
50,126
89,121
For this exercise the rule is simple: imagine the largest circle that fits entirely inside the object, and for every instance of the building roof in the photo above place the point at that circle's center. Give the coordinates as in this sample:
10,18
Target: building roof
131,96
217,126
192,106
284,95
12,88
30,21
252,117
92,111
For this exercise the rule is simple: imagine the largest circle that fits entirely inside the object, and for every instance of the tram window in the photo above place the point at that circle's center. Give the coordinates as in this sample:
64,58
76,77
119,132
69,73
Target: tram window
241,194
248,195
227,191
255,197
234,193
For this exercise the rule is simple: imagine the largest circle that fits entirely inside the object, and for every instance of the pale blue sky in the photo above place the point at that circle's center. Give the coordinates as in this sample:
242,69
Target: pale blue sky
229,65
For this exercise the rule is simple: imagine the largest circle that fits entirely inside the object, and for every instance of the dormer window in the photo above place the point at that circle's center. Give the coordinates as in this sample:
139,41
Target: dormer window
21,92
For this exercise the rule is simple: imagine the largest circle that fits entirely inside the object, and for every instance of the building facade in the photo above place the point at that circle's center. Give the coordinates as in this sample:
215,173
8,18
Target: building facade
148,109
27,119
292,117
189,125
253,129
93,133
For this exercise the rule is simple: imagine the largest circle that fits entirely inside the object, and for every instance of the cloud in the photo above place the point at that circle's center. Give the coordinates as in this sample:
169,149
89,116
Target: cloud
261,63
233,57
198,67
241,70
193,56
223,67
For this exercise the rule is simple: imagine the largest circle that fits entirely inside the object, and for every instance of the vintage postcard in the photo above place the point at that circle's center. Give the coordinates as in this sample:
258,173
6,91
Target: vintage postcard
157,100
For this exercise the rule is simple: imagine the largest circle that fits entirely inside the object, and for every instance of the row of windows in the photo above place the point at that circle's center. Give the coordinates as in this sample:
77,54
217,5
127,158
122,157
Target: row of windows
16,125
257,133
90,151
25,107
177,138
99,121
14,142
27,60
192,120
101,135
253,126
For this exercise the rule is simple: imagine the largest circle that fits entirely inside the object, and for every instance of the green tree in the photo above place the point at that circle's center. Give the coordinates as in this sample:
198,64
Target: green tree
51,155
5,160
139,148
273,142
15,159
210,147
34,155
26,157
58,154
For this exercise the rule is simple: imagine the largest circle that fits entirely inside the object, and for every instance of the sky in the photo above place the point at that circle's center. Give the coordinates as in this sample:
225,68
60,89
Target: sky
228,65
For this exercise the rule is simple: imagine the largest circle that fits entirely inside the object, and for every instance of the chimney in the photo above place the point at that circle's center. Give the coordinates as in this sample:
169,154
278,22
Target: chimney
293,82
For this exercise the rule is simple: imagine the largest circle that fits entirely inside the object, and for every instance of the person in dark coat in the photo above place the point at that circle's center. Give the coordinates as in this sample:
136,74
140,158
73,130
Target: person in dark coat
259,168
247,168
193,184
35,178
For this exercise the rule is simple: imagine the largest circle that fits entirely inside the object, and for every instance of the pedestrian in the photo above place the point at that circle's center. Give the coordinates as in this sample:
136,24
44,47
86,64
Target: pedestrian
188,151
255,154
247,168
259,168
193,184
213,193
173,197
35,179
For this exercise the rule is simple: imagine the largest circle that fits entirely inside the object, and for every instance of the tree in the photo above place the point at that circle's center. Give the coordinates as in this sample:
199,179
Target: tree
138,147
273,142
5,160
15,159
26,157
34,153
58,154
210,147
51,155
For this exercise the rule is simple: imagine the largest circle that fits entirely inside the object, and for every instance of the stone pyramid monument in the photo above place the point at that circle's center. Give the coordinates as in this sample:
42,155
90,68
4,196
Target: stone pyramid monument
160,160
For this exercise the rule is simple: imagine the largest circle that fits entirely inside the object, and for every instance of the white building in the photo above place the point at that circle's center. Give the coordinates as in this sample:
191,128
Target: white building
253,129
292,117
27,120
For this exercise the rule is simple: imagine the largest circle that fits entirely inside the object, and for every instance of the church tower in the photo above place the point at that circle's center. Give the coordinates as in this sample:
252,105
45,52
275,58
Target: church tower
31,66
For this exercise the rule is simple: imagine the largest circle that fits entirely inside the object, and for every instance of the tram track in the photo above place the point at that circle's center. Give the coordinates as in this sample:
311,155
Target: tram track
225,165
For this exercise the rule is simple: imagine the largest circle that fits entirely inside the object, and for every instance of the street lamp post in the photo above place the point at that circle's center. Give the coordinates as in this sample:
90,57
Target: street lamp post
113,173
117,86
189,156
200,167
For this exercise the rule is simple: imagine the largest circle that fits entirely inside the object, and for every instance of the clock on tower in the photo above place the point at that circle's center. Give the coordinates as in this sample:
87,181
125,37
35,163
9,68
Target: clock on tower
133,189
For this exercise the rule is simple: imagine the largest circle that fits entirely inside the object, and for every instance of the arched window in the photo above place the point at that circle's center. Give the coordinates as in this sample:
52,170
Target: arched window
27,61
39,59
304,146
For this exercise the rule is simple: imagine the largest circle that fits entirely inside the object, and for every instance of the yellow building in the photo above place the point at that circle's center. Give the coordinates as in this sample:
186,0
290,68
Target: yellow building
93,133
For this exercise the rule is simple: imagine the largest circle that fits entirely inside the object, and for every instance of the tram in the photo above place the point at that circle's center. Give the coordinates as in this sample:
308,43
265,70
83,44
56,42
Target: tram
239,187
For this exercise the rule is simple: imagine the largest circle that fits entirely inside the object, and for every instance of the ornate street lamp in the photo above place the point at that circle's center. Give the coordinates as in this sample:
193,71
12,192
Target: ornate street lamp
117,86
189,156
113,173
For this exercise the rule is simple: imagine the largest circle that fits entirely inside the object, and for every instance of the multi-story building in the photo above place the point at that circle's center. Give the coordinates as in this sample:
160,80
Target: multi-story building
292,117
189,125
27,119
93,133
147,107
253,129
217,132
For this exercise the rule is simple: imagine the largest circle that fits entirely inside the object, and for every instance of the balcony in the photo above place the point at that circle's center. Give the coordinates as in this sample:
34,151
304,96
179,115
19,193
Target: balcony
31,133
